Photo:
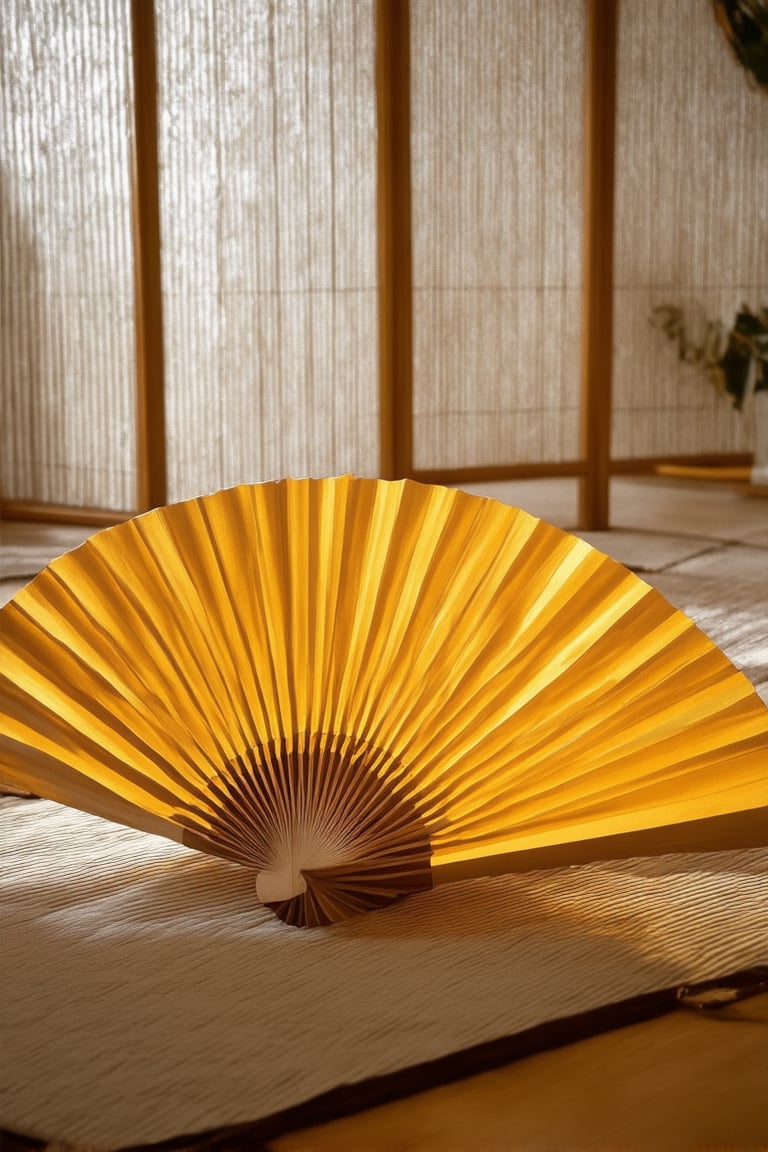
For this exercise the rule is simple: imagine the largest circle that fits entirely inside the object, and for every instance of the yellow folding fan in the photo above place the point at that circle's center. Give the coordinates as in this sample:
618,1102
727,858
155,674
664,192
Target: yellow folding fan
360,688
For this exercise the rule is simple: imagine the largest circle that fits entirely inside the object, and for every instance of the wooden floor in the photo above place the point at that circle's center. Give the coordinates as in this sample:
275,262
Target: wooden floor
682,1082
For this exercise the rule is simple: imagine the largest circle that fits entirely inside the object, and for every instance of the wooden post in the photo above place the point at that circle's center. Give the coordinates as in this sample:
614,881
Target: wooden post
597,292
150,399
394,238
35,510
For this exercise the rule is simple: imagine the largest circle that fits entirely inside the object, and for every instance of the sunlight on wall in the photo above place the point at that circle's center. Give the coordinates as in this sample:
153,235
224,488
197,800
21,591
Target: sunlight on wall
268,213
497,95
691,218
267,134
66,278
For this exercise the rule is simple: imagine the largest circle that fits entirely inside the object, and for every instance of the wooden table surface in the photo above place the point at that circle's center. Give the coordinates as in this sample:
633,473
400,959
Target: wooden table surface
687,1080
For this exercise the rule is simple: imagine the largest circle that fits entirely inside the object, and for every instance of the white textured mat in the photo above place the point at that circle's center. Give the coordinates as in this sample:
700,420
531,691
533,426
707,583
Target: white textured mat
147,995
647,551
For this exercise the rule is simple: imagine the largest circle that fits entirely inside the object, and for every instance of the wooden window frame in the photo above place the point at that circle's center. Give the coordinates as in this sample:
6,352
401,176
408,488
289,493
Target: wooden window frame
595,466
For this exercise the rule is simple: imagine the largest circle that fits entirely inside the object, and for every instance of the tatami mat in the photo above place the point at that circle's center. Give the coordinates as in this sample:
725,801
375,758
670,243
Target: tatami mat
152,996
25,547
648,551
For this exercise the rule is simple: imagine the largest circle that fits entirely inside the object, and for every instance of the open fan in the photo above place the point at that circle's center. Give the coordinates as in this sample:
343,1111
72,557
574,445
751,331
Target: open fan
360,688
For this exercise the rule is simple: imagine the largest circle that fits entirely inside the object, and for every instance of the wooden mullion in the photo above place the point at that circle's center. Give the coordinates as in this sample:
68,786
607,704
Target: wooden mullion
151,485
36,510
394,238
474,474
597,284
638,465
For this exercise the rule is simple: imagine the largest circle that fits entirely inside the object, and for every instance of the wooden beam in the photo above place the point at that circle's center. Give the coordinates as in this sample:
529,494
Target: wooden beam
35,510
597,283
394,238
638,465
151,488
474,475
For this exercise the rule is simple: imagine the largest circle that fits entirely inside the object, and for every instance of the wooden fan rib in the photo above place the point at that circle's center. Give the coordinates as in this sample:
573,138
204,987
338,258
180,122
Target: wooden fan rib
354,762
239,841
360,799
358,883
269,771
324,793
388,851
242,783
597,821
378,838
734,830
198,837
359,785
378,817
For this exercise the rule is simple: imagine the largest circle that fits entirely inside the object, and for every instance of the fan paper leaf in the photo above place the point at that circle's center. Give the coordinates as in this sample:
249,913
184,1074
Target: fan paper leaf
360,687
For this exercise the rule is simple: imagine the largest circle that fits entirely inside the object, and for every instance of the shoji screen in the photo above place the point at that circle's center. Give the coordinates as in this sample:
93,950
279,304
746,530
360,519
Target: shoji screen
66,279
691,218
496,155
268,201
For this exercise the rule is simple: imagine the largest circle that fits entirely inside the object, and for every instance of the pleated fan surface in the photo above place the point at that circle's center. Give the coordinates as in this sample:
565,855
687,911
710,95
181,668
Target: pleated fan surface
359,687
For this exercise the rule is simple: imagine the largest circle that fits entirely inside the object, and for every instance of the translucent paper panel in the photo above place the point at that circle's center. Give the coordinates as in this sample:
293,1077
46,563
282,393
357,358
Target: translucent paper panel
66,279
268,196
497,96
691,219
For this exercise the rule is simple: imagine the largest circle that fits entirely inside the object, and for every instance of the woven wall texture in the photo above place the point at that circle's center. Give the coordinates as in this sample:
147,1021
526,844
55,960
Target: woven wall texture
268,201
268,214
691,219
66,278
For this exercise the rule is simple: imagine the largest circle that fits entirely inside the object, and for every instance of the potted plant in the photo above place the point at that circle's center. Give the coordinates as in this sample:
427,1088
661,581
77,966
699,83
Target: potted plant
735,360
